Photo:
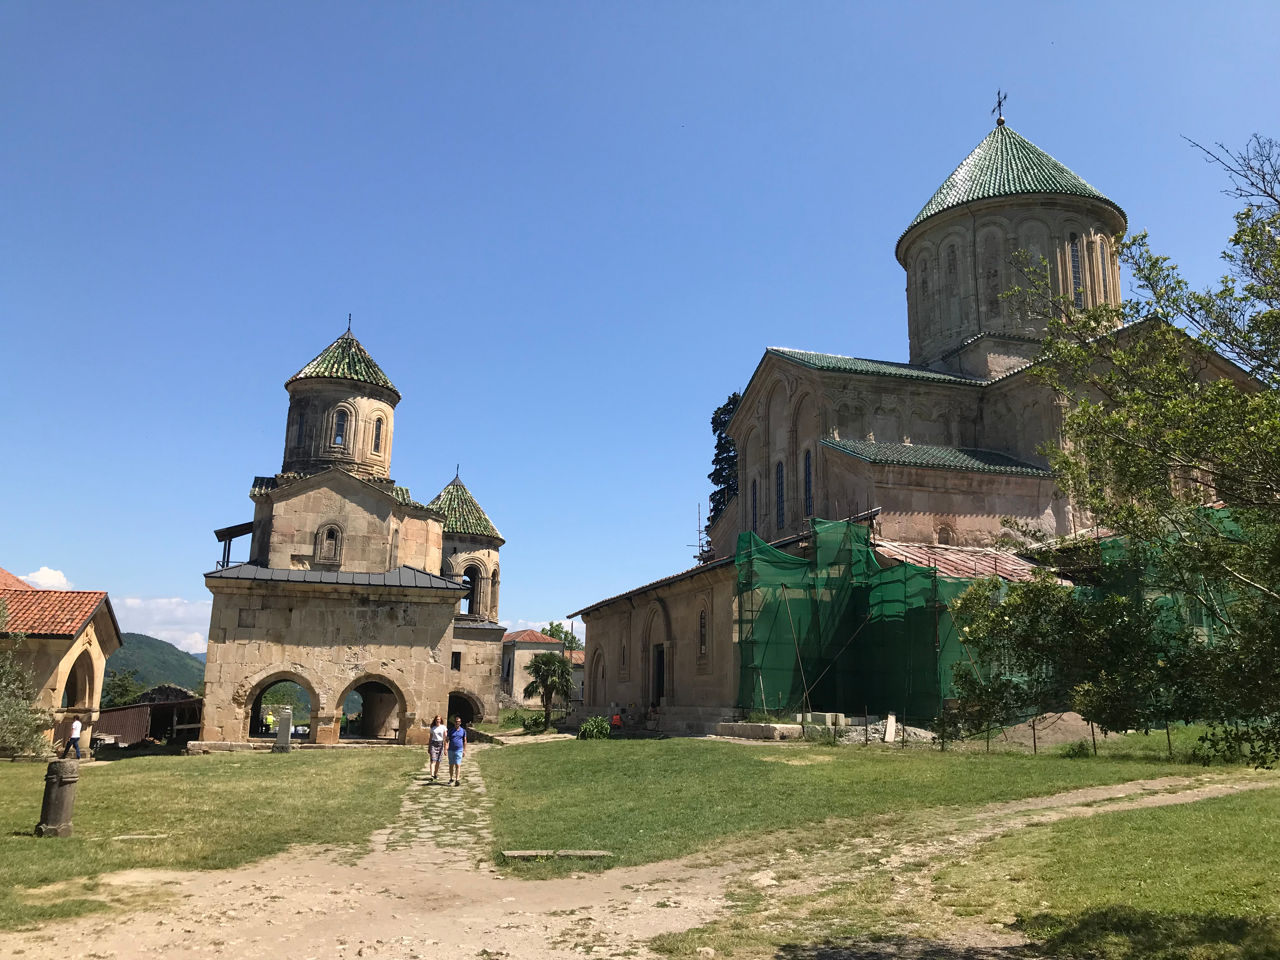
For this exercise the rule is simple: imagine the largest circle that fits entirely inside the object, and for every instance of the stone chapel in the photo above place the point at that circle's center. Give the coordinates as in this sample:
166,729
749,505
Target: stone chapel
934,453
352,585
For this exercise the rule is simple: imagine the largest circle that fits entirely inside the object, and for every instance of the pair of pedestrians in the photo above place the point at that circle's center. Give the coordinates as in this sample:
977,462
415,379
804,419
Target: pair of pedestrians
454,736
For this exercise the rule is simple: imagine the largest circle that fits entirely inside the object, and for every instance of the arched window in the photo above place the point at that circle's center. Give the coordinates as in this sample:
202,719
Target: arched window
329,544
702,633
808,484
377,435
340,428
1077,287
755,514
471,580
781,497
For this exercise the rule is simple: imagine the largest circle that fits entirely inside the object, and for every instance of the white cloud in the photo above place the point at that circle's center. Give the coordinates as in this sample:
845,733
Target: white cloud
48,579
512,626
183,623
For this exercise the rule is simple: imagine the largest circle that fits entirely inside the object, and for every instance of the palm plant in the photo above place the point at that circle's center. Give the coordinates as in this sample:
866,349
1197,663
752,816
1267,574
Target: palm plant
552,677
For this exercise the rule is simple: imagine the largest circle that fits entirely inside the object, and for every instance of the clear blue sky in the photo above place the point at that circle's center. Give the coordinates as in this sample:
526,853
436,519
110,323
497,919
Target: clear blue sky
566,231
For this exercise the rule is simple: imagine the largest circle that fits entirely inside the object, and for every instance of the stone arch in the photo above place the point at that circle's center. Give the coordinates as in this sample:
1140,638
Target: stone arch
595,680
466,704
657,653
350,435
80,687
330,536
385,713
250,689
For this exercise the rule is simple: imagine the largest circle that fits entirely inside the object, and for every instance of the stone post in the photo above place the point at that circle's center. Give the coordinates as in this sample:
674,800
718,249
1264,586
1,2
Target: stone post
284,731
59,798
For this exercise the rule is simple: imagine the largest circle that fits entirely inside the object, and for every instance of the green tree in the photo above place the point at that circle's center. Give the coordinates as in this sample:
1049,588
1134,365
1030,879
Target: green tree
558,631
552,677
1153,432
121,688
724,462
22,725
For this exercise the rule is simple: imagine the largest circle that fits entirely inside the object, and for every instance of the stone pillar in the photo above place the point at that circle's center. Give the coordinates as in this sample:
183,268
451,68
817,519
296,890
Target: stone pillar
284,730
325,727
59,798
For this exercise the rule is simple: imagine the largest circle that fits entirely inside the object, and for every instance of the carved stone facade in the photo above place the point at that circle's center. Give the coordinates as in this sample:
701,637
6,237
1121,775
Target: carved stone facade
344,591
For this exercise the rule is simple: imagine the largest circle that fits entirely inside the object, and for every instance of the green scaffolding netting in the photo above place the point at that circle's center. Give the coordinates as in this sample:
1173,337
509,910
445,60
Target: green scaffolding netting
832,631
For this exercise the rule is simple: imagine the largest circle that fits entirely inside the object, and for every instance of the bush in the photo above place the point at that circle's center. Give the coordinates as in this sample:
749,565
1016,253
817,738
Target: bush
594,728
1076,751
534,724
819,734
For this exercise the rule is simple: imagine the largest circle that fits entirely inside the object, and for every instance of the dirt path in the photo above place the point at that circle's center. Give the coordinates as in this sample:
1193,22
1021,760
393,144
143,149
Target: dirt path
425,891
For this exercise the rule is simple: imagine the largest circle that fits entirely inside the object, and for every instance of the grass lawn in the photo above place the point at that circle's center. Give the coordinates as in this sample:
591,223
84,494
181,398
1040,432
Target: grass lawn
215,811
1187,881
649,800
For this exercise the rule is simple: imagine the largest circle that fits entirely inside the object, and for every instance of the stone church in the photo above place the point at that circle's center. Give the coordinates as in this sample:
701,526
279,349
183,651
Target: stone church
351,585
933,452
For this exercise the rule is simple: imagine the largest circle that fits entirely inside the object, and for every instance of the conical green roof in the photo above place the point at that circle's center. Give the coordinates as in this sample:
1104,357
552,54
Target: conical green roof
345,359
1005,165
461,512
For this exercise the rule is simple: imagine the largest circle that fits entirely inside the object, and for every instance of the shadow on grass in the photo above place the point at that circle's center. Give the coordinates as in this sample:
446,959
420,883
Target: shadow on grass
898,948
1125,933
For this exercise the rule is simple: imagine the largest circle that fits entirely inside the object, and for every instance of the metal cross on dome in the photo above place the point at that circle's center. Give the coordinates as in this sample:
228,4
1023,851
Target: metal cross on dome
1001,97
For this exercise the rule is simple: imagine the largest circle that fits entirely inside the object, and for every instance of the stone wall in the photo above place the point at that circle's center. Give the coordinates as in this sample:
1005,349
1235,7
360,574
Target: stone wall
329,639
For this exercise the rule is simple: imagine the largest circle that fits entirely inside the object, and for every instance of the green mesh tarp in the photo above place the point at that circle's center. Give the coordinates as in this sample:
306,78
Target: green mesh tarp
832,631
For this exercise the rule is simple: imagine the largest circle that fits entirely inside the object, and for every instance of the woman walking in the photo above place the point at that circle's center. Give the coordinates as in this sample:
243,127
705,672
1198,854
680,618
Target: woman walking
457,746
435,747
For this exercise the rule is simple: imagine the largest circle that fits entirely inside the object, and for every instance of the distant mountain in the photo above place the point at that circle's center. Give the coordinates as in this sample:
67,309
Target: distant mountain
200,656
157,662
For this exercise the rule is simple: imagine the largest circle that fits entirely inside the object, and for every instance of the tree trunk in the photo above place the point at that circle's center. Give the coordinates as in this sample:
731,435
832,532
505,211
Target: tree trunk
546,709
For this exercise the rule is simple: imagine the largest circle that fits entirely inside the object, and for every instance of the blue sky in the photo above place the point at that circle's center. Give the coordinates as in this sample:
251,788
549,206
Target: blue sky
565,230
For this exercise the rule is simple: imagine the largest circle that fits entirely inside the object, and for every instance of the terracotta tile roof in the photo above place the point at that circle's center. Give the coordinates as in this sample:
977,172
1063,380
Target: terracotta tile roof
957,561
9,582
528,636
577,657
50,613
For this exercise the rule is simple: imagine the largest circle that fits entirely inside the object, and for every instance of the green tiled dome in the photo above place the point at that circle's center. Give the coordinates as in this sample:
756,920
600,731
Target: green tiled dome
345,359
1005,165
461,512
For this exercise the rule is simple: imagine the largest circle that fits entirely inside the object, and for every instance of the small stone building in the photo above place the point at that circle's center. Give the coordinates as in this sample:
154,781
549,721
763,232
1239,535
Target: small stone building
69,635
518,649
343,592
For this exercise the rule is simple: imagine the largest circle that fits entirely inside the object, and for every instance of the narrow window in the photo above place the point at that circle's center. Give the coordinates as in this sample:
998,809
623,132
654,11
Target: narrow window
808,484
455,660
330,545
299,429
340,429
622,660
1104,261
471,580
1077,289
377,435
395,549
755,516
781,497
702,633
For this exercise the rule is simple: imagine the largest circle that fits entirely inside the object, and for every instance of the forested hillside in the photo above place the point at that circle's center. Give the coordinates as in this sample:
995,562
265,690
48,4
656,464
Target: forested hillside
156,662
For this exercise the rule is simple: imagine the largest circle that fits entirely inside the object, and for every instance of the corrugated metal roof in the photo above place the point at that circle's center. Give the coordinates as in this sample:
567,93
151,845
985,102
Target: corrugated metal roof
462,514
400,577
1005,164
345,359
875,368
951,561
50,613
968,459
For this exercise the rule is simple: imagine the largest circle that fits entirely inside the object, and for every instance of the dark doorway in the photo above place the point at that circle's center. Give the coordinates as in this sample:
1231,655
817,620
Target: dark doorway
370,711
460,705
659,673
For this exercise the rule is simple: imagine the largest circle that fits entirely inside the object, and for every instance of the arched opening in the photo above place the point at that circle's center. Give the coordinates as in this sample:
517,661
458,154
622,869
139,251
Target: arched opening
340,428
266,712
595,682
77,692
466,706
377,435
471,580
372,709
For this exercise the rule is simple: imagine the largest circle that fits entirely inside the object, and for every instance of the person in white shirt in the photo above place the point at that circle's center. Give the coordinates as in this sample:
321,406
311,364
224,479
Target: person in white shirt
435,749
73,740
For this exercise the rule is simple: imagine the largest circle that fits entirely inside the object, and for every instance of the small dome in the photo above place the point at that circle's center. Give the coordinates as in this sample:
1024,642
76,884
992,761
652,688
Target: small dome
1004,164
462,514
345,359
